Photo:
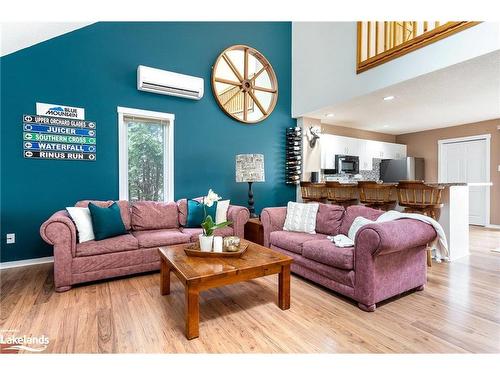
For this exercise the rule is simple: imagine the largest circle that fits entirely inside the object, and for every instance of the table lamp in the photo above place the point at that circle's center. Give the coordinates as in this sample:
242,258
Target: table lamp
250,168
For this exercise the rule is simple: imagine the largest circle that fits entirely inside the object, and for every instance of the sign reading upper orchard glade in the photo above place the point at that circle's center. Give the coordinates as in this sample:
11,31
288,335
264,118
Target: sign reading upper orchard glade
58,132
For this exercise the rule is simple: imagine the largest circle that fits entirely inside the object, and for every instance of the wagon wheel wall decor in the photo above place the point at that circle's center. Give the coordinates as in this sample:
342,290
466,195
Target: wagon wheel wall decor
244,84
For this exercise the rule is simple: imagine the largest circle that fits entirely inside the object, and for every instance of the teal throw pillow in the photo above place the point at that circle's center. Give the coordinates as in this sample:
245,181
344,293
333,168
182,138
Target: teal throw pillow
196,215
106,221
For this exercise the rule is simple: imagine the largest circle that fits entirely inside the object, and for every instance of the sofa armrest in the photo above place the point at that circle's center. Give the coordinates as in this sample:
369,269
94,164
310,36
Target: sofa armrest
60,231
389,259
393,236
273,219
239,216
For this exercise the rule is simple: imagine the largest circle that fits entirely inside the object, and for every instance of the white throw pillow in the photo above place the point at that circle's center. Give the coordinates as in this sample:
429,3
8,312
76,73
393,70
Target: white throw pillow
356,225
83,222
301,217
221,211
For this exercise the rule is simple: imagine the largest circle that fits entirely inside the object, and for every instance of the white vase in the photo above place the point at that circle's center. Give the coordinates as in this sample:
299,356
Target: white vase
206,242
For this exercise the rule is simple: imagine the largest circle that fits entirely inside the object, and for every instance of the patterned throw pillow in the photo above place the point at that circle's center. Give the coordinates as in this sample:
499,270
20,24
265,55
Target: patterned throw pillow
301,217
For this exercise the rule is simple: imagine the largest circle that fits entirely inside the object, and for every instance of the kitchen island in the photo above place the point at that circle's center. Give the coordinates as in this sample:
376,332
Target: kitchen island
454,217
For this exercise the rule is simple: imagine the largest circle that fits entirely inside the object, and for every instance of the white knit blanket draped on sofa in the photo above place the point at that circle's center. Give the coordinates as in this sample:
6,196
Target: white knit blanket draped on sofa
440,244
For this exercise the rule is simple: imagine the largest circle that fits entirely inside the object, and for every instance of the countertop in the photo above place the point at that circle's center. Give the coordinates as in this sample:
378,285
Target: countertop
430,183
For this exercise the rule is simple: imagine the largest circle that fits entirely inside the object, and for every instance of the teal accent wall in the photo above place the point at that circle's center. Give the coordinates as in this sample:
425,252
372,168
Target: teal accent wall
95,68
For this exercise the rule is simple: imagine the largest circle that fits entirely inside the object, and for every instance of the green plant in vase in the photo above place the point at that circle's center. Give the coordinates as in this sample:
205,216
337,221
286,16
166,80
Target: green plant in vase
208,224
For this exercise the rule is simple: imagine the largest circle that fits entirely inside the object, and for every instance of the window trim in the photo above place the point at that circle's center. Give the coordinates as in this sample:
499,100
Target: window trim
168,157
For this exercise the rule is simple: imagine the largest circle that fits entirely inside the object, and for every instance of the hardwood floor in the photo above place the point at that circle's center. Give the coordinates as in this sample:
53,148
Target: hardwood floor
458,312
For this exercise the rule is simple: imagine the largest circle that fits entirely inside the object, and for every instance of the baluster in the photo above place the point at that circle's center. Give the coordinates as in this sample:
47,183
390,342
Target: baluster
385,36
369,40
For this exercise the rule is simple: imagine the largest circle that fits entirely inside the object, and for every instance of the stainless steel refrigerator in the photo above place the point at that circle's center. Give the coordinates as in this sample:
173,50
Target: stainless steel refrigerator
395,170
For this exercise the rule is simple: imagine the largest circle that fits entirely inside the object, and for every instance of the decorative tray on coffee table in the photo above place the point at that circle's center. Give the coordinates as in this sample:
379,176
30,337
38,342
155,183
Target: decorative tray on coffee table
193,250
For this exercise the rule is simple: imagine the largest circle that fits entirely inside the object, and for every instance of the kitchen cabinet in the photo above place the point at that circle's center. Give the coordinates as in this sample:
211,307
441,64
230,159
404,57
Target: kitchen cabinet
367,150
385,150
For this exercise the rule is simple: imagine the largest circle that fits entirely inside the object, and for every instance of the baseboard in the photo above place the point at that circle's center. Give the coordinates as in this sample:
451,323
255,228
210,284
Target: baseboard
492,226
26,262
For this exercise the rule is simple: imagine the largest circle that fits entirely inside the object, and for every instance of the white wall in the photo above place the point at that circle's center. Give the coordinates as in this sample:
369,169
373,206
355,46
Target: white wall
324,62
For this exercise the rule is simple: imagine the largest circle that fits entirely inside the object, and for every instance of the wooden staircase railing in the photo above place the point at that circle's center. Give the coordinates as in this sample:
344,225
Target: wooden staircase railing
379,42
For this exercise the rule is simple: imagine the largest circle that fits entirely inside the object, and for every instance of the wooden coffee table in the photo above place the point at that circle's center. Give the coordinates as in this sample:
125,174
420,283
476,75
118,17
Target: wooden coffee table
199,274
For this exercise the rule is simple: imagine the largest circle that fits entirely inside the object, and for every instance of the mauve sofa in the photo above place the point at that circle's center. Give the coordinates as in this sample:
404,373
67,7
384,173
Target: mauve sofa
388,258
149,225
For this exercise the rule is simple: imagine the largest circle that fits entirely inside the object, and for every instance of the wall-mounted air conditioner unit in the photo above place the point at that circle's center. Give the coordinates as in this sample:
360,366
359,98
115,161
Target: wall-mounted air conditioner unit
169,83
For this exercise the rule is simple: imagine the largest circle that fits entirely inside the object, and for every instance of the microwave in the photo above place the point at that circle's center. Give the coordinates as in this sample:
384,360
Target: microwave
347,164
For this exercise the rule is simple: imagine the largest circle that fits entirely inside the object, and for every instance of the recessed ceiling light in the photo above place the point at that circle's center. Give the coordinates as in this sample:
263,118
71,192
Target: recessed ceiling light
387,98
386,126
329,115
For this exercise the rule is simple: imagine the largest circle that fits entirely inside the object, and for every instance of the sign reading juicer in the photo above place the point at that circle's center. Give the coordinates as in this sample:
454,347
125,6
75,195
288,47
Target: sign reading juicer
59,132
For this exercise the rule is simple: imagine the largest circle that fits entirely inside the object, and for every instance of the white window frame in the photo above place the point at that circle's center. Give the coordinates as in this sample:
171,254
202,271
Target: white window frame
168,157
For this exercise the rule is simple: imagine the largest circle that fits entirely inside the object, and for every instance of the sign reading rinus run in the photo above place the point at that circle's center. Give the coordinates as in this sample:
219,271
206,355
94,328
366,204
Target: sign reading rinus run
68,137
58,155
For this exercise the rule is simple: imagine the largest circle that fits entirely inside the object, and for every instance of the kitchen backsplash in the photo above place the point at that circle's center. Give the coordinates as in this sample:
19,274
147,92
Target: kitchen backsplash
374,174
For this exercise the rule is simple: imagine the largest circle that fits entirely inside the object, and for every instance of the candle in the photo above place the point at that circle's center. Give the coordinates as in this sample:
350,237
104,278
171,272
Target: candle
218,244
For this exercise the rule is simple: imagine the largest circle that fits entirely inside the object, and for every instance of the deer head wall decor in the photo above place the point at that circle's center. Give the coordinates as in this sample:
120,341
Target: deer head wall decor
313,136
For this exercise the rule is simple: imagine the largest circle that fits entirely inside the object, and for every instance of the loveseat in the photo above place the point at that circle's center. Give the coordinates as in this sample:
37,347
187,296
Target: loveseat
149,225
388,258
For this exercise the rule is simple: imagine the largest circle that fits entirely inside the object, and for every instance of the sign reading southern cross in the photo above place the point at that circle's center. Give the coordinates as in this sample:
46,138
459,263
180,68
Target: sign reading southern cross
58,132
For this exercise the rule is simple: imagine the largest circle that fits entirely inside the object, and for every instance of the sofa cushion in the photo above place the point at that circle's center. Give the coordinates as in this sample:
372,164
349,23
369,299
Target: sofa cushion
329,218
124,209
293,241
194,232
148,215
324,251
160,237
196,212
182,210
109,245
106,221
352,212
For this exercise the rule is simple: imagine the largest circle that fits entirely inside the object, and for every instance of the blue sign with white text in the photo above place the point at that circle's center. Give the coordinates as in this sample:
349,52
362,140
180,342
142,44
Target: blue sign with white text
44,146
49,129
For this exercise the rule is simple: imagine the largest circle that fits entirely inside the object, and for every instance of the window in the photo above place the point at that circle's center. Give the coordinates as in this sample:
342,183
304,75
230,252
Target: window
146,154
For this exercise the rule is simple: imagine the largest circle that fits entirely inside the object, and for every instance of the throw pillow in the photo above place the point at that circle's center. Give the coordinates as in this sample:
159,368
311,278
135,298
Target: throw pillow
221,212
356,225
196,213
301,217
106,221
83,221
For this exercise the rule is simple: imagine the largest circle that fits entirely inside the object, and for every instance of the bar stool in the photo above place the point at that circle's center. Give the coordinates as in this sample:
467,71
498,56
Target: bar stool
375,195
417,197
342,194
312,191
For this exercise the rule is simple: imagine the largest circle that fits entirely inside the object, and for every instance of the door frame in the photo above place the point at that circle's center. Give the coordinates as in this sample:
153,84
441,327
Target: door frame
487,138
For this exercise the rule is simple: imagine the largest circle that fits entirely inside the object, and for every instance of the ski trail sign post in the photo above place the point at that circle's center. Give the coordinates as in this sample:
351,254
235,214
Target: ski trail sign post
59,132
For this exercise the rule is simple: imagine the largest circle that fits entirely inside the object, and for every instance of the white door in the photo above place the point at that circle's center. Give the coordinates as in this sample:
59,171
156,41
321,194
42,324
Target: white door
467,161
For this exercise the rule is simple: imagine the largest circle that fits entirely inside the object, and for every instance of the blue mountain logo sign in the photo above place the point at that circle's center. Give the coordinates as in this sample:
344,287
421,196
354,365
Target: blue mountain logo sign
57,110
